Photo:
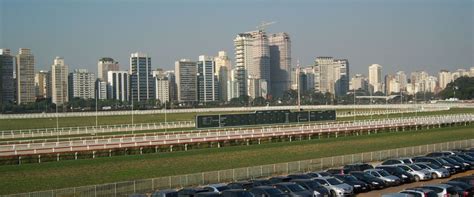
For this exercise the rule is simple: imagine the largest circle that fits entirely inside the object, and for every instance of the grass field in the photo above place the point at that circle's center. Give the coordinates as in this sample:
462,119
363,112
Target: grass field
33,177
13,124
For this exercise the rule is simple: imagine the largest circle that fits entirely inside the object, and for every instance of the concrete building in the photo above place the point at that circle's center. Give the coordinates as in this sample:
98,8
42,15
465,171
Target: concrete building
445,77
358,82
7,85
223,72
173,92
331,75
186,81
142,84
260,68
81,84
375,78
118,85
59,82
162,88
43,84
102,92
207,84
243,44
105,65
280,63
392,86
471,72
402,79
25,77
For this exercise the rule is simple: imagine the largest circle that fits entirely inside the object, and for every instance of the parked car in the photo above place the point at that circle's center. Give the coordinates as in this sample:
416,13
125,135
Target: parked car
404,160
293,189
216,187
357,167
236,193
314,186
190,192
318,174
468,190
165,193
467,164
384,175
465,179
335,187
240,185
260,182
466,157
436,161
417,172
374,182
335,171
208,194
299,176
440,154
359,186
267,191
420,192
442,189
436,171
459,167
399,172
279,179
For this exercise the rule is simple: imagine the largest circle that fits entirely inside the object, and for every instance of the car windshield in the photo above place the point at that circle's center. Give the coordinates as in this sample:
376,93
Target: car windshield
350,178
466,157
415,167
449,160
324,174
383,173
457,159
333,181
273,191
398,170
421,165
442,161
295,188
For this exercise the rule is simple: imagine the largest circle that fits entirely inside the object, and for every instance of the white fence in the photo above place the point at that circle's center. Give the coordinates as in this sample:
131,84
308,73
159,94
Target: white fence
222,176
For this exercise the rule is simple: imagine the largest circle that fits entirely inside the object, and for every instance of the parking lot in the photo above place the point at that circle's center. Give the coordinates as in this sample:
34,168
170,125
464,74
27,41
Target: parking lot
411,185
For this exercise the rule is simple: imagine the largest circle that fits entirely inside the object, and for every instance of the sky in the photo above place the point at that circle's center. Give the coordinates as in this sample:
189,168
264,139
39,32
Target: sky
407,35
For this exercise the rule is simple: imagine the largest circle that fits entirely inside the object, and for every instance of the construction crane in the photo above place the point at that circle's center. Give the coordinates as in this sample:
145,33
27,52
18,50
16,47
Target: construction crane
264,24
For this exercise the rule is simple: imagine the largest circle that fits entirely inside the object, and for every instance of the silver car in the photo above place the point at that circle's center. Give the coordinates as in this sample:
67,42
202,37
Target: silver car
436,171
442,190
419,173
384,175
336,187
216,187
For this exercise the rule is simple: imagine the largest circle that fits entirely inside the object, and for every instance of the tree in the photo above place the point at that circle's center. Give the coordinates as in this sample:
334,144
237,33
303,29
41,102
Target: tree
462,88
259,101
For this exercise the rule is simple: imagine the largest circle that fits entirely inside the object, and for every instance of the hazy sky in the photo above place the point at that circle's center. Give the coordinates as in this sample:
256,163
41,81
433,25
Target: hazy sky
398,34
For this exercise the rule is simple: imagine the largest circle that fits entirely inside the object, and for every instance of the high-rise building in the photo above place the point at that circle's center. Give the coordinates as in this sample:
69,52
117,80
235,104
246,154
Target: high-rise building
7,85
101,87
259,71
186,81
445,77
173,92
118,85
280,63
207,84
471,72
243,61
162,87
82,84
391,85
359,82
375,78
59,82
43,84
25,76
331,75
142,84
402,80
223,71
105,65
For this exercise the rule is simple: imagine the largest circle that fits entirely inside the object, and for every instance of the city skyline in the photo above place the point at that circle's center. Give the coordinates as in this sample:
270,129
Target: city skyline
442,41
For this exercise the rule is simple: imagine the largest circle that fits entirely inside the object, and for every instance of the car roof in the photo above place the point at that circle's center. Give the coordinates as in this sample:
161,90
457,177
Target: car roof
285,183
216,185
438,185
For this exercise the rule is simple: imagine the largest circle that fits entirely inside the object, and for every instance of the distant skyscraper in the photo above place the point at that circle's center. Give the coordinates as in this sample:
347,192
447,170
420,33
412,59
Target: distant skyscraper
43,84
186,81
118,85
142,84
59,82
259,71
391,85
331,75
101,90
280,63
105,65
172,85
7,85
375,78
25,76
162,87
402,80
223,71
207,84
243,44
359,81
82,84
445,78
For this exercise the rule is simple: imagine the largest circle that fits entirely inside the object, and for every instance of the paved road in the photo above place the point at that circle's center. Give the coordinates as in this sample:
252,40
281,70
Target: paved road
415,184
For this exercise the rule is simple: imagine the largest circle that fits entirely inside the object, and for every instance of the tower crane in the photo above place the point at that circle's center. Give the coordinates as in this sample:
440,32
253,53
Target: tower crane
264,24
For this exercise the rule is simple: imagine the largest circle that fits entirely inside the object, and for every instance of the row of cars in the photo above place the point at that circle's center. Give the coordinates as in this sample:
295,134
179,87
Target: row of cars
352,179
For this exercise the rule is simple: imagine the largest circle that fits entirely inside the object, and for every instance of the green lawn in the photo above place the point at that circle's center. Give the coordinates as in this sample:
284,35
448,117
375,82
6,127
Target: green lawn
51,175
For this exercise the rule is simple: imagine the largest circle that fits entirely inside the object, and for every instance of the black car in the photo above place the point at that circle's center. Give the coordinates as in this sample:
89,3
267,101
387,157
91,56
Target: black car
398,172
299,176
260,182
190,192
318,174
279,179
165,193
236,193
357,167
335,171
436,161
293,189
465,179
208,194
467,164
312,185
459,167
240,185
438,154
267,191
466,157
373,182
468,189
359,186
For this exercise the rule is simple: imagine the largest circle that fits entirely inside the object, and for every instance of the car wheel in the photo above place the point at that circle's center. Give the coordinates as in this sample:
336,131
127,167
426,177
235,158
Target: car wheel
333,194
435,176
417,178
